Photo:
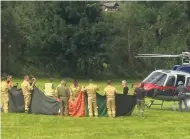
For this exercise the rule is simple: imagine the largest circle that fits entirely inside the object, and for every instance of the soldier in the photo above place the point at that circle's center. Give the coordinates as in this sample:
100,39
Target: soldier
59,85
9,81
5,96
181,90
125,87
75,90
140,94
110,92
49,89
91,91
63,94
27,91
32,79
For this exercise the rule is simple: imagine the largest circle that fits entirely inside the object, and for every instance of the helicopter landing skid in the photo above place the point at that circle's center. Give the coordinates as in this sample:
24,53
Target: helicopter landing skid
152,103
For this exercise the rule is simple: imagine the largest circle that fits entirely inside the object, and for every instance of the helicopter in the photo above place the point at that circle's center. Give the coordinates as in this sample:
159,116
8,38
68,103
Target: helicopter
161,84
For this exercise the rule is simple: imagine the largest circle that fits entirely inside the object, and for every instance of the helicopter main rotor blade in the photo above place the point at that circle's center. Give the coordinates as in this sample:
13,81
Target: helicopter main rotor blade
150,54
156,55
167,56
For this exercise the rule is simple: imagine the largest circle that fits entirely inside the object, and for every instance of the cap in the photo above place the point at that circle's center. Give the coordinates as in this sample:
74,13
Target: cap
180,83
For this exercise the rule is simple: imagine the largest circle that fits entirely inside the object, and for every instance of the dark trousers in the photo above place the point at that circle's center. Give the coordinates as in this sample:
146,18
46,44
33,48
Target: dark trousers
141,105
64,105
180,104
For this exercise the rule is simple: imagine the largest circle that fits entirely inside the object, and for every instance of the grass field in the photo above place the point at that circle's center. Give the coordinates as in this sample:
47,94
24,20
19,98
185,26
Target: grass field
156,124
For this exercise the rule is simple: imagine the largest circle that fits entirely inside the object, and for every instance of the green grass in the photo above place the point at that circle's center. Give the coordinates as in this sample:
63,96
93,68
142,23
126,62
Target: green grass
156,124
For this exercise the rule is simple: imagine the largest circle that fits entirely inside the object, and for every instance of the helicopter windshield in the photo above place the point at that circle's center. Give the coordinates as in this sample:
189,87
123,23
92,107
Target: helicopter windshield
157,78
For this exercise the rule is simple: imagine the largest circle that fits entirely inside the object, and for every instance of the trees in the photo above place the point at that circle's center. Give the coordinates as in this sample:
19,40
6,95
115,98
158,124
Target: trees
147,27
9,33
78,38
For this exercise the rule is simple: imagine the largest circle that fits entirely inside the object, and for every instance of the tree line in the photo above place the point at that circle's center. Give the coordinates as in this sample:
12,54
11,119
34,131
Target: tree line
81,39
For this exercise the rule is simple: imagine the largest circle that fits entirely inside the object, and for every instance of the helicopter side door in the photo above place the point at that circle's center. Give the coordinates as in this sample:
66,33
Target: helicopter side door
187,83
170,82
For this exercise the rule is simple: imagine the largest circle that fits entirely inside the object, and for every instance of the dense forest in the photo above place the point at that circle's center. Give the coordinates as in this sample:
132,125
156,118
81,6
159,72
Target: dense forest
80,39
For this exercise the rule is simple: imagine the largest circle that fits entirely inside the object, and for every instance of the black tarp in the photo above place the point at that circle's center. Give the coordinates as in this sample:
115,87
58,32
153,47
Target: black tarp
16,100
40,104
125,104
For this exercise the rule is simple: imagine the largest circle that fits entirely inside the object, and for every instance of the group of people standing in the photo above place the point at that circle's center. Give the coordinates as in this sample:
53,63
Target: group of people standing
64,94
26,86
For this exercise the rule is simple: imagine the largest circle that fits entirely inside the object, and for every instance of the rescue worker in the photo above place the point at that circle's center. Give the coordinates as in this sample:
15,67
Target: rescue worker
140,94
32,79
181,90
110,92
49,89
91,90
27,91
4,94
125,87
74,90
63,94
9,81
59,85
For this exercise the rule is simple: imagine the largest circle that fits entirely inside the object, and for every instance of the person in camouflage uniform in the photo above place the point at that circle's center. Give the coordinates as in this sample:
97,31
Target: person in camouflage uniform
63,94
140,94
4,94
74,90
9,81
27,91
181,90
91,90
110,92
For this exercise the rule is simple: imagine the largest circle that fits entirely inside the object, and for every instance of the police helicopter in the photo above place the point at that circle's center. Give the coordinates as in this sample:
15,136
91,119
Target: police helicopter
161,84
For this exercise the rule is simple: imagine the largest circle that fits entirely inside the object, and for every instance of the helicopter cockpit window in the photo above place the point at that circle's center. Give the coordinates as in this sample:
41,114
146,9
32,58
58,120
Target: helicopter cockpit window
156,77
171,81
161,80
